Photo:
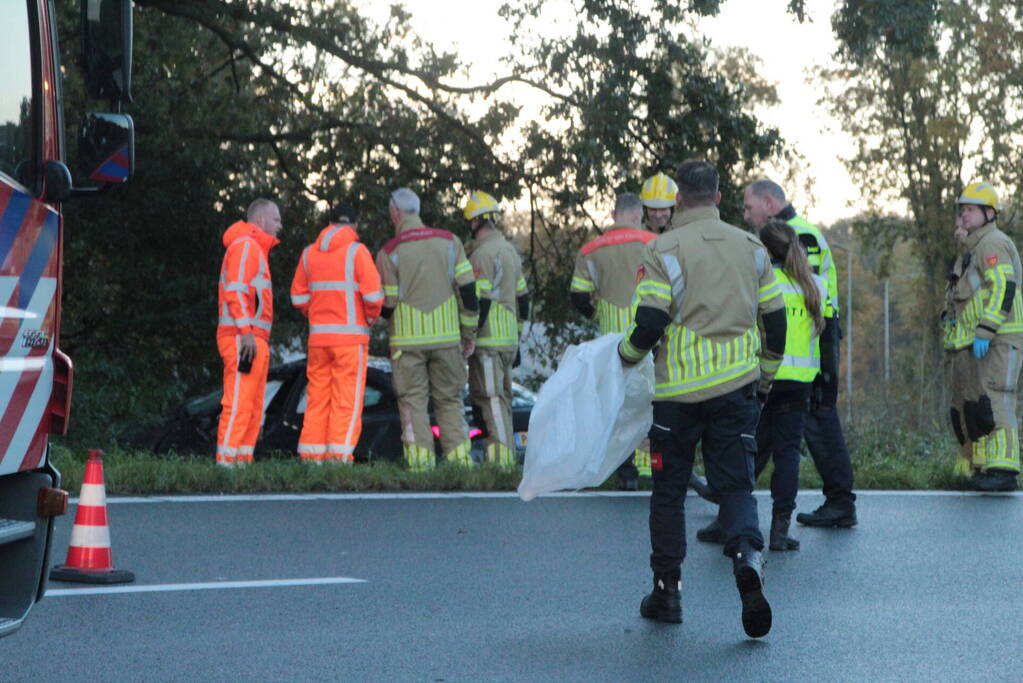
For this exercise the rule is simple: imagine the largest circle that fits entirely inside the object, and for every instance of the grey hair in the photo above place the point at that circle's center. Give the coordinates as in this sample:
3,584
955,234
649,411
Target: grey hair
405,200
257,207
766,187
626,202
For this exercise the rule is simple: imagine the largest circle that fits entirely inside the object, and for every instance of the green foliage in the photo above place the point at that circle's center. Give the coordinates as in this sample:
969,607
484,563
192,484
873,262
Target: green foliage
310,103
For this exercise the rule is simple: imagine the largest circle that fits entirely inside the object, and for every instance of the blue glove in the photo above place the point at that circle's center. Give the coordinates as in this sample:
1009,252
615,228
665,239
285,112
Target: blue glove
980,347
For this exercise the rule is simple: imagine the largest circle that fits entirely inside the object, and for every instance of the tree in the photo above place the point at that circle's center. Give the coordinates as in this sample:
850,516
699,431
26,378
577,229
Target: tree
929,91
310,103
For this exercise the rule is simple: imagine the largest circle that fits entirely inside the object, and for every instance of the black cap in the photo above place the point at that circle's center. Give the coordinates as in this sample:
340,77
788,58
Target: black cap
343,213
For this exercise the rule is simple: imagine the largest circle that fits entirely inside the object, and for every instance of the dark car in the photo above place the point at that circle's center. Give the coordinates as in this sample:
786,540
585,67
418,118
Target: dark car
193,427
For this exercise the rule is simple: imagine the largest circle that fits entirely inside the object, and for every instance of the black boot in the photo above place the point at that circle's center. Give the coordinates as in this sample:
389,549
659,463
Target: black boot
780,539
702,488
748,566
829,515
712,533
996,480
665,601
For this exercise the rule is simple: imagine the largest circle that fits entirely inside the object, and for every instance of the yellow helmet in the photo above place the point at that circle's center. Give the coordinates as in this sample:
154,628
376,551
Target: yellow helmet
659,192
981,194
481,204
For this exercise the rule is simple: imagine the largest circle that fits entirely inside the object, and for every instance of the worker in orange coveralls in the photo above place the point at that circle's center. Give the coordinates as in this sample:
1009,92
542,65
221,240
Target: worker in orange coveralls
337,287
246,313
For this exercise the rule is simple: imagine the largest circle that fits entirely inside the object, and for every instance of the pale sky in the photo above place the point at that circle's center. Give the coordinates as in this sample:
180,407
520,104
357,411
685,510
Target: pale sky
787,50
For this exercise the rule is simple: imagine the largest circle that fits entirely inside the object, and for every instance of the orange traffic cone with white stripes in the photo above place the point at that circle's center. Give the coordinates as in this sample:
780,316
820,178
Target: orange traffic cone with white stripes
89,559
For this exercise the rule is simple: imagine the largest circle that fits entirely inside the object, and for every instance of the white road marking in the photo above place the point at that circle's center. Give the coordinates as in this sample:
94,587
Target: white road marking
300,497
215,585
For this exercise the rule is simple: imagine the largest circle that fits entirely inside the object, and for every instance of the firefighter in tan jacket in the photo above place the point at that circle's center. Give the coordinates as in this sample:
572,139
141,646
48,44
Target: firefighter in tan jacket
504,305
708,295
431,305
983,337
603,286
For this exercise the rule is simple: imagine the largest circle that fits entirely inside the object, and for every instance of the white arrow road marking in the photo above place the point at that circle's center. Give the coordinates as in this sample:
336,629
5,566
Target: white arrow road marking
214,585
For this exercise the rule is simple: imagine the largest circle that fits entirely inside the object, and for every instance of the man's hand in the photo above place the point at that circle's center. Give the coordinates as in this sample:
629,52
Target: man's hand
980,347
248,350
468,347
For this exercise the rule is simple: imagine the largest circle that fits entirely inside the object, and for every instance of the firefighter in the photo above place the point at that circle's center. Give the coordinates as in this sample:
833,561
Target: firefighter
659,196
504,306
764,199
708,289
336,285
246,312
602,287
780,430
984,334
431,306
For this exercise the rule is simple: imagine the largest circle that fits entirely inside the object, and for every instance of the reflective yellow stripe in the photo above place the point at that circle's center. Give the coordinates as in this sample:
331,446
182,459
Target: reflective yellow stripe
768,292
462,268
482,286
520,285
391,290
501,329
652,288
694,362
412,327
582,285
629,351
611,318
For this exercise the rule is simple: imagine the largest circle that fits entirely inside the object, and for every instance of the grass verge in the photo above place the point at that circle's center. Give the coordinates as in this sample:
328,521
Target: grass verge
883,456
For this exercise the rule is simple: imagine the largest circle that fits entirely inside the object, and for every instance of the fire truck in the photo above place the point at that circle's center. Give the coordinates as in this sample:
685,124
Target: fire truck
35,180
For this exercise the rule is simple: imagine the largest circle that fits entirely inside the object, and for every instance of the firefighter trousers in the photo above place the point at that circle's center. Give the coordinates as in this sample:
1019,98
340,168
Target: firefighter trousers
333,416
418,376
983,409
490,387
725,426
241,415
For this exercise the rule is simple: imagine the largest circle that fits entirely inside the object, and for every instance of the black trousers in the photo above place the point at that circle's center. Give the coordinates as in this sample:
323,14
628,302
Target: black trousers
779,437
725,425
824,437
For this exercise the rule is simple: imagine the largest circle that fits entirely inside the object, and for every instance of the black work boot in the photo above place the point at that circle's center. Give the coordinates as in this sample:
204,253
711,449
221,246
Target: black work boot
665,601
712,533
702,488
748,566
780,539
996,480
829,515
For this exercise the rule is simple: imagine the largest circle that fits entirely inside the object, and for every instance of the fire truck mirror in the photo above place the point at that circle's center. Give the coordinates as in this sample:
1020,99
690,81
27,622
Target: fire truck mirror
106,49
106,147
57,185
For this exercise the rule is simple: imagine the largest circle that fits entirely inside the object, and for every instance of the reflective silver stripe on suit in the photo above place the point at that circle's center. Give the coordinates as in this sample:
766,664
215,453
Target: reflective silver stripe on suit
325,242
333,286
300,298
801,362
374,297
350,281
338,329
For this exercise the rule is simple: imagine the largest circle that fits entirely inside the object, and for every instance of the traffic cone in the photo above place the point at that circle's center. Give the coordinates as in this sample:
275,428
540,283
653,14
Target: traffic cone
88,558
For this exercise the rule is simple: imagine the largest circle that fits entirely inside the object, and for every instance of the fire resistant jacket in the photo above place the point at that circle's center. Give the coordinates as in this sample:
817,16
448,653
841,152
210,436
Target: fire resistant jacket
337,286
498,271
984,291
422,270
245,294
707,286
606,268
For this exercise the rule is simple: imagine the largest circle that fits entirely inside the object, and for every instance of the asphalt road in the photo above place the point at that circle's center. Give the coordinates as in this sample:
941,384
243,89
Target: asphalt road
456,588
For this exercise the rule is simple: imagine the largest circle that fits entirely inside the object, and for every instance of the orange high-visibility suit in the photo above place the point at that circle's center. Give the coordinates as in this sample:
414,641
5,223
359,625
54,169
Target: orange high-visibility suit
246,305
337,286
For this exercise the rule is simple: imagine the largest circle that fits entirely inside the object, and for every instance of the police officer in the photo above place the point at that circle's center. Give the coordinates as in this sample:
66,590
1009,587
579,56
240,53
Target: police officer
984,334
659,195
602,288
504,305
431,305
708,289
764,199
